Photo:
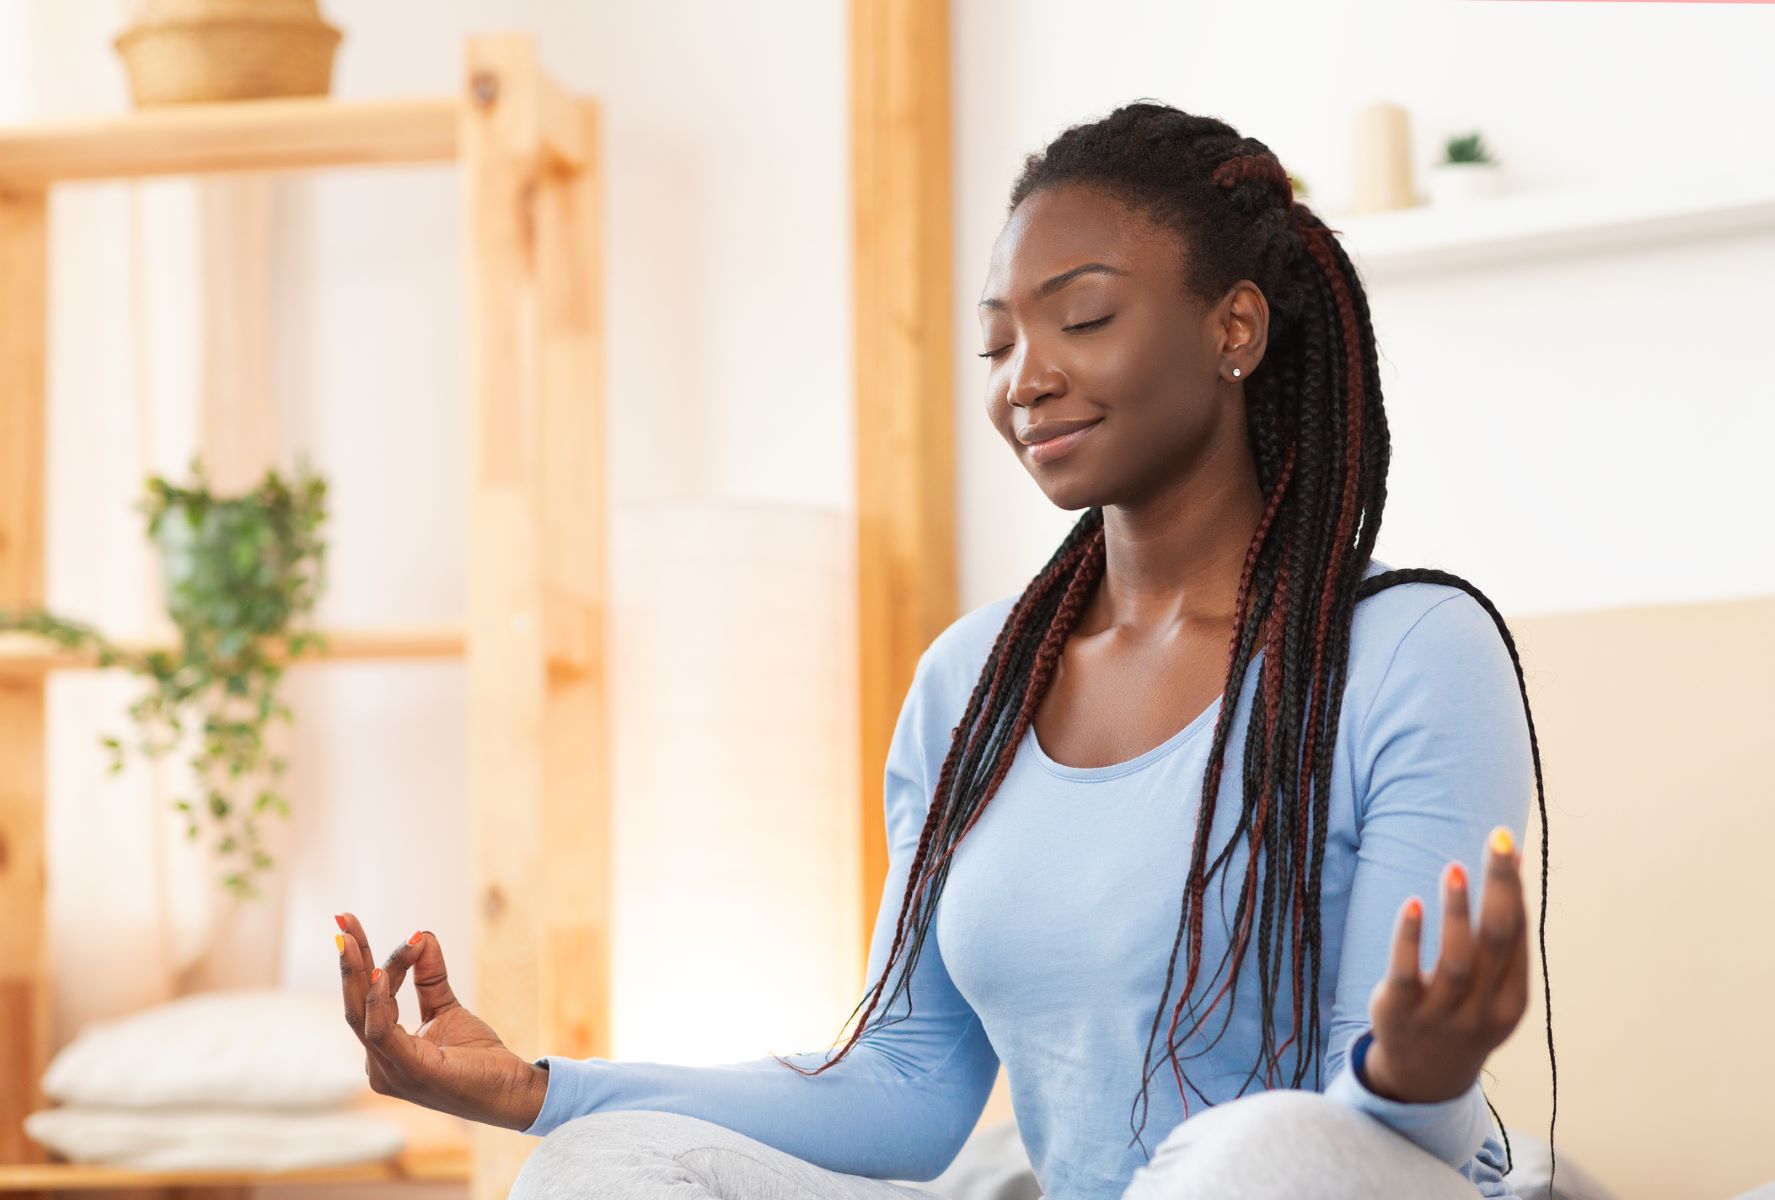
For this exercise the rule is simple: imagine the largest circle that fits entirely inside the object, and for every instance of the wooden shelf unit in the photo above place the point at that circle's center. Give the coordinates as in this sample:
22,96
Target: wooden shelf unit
533,640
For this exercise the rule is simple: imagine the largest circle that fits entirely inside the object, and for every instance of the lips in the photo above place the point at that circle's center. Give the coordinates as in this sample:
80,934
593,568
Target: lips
1049,449
1044,431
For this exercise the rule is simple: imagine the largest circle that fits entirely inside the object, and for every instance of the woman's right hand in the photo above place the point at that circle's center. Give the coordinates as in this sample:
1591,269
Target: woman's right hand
454,1062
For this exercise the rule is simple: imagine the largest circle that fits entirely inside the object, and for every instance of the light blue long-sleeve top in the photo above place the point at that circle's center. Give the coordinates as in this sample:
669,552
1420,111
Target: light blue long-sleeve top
1052,934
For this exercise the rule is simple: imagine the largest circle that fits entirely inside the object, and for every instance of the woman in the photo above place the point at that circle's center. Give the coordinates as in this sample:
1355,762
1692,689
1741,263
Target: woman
1182,351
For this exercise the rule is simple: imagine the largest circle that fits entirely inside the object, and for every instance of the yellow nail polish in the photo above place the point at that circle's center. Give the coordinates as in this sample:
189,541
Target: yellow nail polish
1501,841
339,941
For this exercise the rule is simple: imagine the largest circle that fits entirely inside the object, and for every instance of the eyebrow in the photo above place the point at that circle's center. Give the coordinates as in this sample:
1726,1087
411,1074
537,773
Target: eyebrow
1059,281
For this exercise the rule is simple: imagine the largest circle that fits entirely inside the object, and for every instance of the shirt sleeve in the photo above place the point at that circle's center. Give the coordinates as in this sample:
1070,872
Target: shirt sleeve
1442,758
906,1096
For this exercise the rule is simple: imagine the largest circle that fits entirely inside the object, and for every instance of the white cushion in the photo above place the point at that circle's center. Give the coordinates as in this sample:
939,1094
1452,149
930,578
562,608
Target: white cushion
213,1140
241,1047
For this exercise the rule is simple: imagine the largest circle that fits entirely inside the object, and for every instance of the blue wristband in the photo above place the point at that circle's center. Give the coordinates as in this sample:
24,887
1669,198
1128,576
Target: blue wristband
1358,1052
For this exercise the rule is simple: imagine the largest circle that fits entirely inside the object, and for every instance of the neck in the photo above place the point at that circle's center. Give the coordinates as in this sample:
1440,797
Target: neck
1175,558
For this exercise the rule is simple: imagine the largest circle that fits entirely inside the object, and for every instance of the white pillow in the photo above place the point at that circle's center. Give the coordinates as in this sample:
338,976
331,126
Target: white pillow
242,1047
212,1140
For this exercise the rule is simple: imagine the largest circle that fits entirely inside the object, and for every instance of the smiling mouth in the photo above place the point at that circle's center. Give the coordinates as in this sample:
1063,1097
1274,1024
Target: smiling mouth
1052,448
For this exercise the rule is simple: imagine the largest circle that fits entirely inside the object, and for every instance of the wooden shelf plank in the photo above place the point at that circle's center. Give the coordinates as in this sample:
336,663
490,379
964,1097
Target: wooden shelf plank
243,135
24,655
1537,225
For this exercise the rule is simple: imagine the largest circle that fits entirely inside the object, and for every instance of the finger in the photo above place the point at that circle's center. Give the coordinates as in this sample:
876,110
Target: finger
1512,988
1452,979
1402,967
399,960
381,1032
1502,920
353,980
430,979
354,929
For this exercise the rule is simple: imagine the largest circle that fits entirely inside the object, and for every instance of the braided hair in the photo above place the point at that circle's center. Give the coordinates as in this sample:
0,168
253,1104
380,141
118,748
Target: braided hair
1318,434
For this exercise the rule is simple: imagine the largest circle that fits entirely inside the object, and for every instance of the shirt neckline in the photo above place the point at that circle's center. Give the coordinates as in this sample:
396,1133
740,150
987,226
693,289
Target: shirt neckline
1113,770
1207,715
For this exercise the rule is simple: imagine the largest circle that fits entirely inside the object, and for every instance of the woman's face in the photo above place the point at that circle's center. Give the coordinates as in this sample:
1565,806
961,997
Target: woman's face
1088,323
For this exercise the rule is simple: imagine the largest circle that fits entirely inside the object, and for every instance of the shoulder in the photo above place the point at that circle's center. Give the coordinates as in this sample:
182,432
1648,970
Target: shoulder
1427,646
1417,621
942,683
1434,712
961,650
950,666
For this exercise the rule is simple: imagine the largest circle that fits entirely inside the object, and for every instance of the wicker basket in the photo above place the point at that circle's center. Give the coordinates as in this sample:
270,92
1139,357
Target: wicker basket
198,51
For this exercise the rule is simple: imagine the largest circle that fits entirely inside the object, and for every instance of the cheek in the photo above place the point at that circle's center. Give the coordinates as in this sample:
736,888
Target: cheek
998,409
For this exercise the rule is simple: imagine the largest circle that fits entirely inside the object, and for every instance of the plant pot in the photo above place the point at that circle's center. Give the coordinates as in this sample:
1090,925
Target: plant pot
1459,183
210,51
178,556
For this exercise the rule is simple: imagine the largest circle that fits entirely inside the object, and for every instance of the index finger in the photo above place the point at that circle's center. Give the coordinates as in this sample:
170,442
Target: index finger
1402,966
354,930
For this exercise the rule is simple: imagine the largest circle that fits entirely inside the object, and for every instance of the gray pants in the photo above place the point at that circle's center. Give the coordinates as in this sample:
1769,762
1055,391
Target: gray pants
1271,1145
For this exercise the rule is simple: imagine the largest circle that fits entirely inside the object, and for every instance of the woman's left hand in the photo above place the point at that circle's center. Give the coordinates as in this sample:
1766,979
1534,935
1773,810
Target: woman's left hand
1433,1033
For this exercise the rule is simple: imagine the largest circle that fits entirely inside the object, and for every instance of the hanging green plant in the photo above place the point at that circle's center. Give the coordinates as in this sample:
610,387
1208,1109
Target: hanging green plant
241,574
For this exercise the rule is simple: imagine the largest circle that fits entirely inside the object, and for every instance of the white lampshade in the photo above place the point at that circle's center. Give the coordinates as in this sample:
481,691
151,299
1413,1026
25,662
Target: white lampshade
734,711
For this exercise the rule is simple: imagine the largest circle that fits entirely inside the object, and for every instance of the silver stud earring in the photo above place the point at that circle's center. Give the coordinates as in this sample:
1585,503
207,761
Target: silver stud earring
1235,372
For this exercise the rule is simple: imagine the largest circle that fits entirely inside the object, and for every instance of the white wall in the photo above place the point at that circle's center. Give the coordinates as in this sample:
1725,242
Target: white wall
727,282
1573,433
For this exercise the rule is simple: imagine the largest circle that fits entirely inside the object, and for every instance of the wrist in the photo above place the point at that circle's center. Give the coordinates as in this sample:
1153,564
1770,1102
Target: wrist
1366,1062
533,1095
1378,1074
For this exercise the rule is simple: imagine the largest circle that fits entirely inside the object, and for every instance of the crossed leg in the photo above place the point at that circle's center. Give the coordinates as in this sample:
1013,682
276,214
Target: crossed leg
1291,1144
635,1155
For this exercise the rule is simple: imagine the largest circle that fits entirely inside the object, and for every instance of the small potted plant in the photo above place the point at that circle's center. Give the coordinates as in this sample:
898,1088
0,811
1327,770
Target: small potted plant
1467,171
241,573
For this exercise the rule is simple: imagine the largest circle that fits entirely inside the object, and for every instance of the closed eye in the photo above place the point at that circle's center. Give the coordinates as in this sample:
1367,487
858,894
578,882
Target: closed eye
1082,325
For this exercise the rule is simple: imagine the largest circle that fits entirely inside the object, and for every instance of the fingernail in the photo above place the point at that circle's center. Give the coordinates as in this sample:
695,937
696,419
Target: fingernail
339,920
375,974
1414,908
339,941
1501,841
414,940
1457,875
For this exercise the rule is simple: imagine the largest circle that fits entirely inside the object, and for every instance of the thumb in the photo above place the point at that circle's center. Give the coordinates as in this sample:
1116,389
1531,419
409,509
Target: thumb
430,979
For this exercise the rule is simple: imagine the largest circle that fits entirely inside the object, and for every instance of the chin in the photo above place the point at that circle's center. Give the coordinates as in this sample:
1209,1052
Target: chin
1072,495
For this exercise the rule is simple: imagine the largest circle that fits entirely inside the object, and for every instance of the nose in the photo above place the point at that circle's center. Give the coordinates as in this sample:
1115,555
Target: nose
1033,380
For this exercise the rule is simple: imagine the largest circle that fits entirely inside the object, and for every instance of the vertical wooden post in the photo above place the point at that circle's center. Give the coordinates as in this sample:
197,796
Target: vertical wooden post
538,751
905,395
575,874
24,961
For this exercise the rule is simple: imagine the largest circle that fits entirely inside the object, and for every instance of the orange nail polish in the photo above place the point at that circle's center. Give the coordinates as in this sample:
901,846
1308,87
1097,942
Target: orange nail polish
1414,908
414,940
375,974
339,941
1457,875
1501,841
339,920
